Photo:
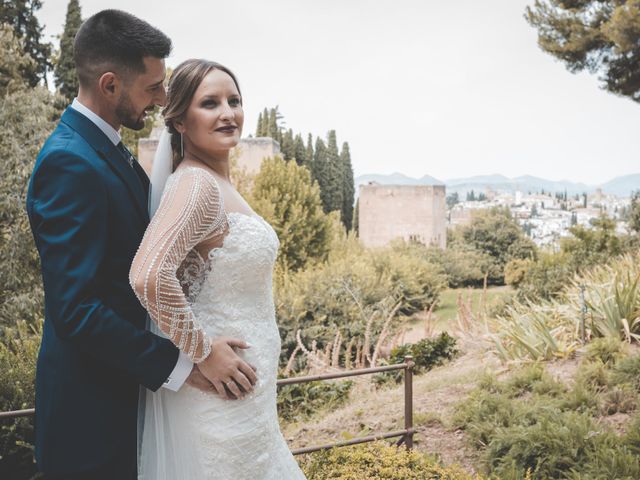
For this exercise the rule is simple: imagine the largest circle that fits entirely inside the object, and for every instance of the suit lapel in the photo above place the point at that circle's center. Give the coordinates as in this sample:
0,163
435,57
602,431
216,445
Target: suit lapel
110,153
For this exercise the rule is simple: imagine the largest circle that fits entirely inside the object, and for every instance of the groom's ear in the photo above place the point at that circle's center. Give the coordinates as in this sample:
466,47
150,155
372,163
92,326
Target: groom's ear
109,85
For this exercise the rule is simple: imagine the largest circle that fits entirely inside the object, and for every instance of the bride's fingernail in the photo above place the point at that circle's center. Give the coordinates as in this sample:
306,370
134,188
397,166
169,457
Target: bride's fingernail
248,345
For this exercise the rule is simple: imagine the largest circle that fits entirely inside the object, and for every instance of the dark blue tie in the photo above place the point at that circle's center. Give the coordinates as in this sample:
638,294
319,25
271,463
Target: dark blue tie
128,156
133,163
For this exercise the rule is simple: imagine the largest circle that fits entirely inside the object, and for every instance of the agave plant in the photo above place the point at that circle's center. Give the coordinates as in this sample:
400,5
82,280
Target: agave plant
606,297
612,298
535,332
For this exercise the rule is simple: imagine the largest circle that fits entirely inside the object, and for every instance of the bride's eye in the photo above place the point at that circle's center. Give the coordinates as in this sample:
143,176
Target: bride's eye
208,104
234,102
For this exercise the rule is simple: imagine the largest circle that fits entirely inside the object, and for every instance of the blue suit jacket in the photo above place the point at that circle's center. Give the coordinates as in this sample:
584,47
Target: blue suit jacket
88,212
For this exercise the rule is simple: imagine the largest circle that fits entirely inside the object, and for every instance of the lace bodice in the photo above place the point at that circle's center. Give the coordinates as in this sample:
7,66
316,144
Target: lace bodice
191,211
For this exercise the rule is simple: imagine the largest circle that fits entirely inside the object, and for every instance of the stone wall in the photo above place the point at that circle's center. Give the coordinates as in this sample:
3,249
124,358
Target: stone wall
249,152
411,212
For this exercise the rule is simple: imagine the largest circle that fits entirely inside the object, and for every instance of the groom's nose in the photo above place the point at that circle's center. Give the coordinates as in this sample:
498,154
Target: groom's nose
161,98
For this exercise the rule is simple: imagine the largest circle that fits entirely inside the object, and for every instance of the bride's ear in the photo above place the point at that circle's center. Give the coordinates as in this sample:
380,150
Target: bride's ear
179,126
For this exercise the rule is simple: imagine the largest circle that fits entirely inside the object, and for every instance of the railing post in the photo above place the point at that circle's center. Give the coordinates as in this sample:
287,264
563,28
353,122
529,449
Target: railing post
408,401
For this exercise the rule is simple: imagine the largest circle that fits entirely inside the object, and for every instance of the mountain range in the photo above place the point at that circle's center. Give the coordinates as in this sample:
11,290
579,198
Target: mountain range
619,186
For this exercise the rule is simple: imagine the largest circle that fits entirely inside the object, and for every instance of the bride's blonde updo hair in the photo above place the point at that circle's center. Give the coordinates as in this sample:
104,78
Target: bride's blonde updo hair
184,82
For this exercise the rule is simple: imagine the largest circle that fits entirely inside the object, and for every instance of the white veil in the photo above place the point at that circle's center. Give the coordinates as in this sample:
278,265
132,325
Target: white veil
166,446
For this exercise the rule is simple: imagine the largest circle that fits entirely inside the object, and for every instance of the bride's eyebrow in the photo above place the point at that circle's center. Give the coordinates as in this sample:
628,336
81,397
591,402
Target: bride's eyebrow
213,96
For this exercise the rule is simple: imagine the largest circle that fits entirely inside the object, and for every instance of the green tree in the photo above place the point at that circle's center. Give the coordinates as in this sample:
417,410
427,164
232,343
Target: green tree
634,213
348,187
308,159
65,69
259,127
21,15
496,233
285,196
13,61
334,190
600,36
453,199
299,149
36,111
287,146
590,246
320,172
273,129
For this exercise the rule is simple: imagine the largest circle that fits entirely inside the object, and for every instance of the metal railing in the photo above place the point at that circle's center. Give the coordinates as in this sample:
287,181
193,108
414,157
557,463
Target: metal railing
406,434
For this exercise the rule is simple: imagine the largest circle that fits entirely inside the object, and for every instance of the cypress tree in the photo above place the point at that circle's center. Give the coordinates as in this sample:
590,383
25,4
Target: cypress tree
259,126
65,74
287,147
348,187
272,126
300,151
321,172
335,174
21,15
264,132
309,153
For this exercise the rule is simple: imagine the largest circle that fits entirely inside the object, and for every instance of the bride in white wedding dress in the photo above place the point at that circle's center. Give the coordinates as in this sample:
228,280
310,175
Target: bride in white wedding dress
204,273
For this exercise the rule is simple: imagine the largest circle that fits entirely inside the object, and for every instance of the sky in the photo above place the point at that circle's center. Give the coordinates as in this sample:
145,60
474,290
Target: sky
447,89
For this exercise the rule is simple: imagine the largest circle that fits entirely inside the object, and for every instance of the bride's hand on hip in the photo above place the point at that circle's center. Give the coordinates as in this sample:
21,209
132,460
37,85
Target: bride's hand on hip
224,368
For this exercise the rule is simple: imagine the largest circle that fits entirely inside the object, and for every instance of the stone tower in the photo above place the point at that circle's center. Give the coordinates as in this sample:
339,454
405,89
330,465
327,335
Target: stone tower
411,212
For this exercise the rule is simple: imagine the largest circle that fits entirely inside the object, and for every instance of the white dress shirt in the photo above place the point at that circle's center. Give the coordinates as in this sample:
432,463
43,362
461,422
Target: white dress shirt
184,364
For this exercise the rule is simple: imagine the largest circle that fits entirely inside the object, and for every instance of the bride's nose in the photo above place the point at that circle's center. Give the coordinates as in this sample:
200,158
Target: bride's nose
227,112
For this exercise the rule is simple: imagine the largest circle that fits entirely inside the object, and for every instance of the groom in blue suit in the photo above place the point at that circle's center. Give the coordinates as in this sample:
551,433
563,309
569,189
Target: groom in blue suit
87,205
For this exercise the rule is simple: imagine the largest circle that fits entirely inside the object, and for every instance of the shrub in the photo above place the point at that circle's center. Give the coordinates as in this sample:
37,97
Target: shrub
549,447
463,264
377,461
18,352
548,329
527,427
620,399
627,371
497,234
516,270
301,400
545,278
607,350
427,353
352,287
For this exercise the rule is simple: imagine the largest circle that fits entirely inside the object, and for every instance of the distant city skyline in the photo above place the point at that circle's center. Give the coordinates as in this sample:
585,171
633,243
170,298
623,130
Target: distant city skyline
445,89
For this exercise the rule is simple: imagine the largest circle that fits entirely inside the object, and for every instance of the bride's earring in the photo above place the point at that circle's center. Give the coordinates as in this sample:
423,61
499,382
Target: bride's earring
181,146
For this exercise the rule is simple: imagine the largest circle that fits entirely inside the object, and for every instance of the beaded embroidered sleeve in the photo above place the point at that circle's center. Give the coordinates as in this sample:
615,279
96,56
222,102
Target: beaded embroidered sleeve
191,211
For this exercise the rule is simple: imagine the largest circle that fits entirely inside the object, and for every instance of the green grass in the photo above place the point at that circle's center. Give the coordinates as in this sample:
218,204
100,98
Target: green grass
447,309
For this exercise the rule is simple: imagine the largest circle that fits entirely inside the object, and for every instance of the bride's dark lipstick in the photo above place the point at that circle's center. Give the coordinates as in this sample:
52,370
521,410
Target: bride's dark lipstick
227,129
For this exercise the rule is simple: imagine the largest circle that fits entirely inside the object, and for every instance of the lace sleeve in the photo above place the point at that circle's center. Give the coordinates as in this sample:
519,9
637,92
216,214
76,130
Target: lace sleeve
191,211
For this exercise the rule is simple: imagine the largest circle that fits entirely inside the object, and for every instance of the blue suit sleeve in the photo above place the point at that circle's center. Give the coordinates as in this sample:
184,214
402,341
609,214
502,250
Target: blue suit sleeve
68,212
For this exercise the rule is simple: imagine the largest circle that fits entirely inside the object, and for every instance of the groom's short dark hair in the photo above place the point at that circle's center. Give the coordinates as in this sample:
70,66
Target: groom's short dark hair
116,41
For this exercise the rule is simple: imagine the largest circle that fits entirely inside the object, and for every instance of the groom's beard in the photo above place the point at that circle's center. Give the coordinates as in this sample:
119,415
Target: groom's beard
127,114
